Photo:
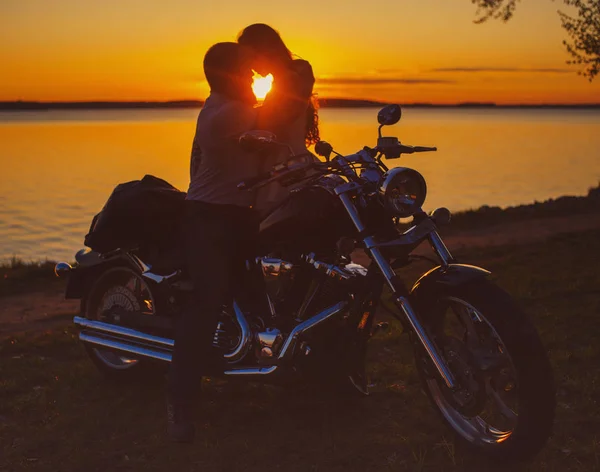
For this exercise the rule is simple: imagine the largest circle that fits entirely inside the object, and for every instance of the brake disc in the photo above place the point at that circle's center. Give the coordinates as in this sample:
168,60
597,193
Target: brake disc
469,397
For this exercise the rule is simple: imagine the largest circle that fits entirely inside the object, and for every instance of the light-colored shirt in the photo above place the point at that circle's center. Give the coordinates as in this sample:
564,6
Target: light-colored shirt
290,97
218,162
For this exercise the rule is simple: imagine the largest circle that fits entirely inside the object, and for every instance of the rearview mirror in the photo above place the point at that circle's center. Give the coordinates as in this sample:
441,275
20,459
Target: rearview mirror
389,115
257,139
323,149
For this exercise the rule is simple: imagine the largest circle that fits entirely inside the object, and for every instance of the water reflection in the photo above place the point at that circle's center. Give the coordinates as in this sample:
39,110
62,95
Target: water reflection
58,168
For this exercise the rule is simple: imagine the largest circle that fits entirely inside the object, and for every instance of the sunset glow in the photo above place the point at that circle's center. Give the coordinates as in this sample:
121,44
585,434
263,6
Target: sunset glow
409,51
262,86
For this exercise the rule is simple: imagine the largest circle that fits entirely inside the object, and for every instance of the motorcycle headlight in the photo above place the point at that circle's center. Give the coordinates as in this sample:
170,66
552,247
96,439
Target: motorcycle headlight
402,191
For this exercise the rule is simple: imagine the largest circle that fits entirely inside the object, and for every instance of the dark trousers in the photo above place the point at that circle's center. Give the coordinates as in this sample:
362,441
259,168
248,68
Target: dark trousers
218,241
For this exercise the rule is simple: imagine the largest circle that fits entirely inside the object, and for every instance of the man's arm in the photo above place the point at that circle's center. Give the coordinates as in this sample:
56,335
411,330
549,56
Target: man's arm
234,119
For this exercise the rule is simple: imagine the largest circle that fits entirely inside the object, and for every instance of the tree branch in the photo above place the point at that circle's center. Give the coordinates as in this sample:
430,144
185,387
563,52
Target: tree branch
494,9
583,29
584,34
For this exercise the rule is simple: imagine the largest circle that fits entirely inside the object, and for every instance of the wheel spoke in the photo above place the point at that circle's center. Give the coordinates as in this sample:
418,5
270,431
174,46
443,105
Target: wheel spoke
466,317
481,426
137,288
127,292
488,431
484,351
503,408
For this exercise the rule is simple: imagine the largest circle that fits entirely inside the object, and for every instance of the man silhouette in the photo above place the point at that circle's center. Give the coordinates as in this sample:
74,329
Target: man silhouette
218,217
220,224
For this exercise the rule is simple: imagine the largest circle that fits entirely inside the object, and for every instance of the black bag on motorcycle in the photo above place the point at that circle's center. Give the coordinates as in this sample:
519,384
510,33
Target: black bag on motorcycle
140,213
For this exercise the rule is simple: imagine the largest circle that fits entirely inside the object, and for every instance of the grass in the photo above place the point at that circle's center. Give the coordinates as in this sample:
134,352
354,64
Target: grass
58,413
18,276
561,206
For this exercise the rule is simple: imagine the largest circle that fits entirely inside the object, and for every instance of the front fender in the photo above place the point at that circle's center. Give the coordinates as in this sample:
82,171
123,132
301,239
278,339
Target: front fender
439,278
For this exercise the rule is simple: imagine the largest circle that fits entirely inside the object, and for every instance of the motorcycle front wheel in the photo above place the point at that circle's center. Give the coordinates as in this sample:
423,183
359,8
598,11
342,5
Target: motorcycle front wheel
503,405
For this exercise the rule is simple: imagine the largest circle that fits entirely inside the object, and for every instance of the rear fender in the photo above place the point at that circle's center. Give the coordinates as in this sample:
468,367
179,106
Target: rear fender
89,267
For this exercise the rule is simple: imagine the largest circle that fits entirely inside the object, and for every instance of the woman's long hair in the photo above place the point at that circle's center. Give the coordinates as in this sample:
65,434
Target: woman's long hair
263,38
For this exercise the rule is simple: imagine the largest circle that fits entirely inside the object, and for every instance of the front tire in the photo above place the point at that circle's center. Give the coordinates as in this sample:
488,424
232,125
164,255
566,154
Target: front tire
500,364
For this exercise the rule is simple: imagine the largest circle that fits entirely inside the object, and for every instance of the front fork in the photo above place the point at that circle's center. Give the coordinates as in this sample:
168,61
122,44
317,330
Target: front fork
399,290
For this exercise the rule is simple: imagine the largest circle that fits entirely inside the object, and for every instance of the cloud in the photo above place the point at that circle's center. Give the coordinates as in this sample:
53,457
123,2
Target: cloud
380,81
541,70
389,71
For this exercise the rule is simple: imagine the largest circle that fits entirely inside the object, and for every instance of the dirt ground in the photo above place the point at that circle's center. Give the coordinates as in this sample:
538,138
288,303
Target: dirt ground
41,310
36,311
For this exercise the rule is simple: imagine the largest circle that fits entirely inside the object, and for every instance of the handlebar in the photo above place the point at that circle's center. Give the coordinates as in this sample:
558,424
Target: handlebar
424,149
293,170
405,149
281,171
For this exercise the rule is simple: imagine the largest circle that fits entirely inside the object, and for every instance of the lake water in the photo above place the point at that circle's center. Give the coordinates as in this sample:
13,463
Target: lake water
58,168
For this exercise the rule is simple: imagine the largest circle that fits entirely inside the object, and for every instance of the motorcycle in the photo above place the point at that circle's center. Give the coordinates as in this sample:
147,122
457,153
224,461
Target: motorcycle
479,357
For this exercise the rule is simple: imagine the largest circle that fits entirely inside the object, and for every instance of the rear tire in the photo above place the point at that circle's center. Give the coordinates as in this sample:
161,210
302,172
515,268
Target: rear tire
123,288
532,386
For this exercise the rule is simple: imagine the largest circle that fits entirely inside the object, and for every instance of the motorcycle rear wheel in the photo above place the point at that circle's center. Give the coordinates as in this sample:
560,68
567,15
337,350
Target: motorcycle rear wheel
123,289
505,401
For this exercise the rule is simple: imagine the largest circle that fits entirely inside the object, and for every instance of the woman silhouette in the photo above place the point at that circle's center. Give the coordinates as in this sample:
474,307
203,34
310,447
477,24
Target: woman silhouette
293,82
290,108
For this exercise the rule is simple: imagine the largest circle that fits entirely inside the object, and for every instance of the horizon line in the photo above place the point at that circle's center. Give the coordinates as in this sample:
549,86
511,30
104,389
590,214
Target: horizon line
332,102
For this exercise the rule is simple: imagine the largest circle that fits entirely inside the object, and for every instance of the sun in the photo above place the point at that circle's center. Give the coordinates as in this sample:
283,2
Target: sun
262,85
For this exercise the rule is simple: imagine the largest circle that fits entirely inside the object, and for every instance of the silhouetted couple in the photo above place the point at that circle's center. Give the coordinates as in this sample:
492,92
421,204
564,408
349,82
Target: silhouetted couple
221,225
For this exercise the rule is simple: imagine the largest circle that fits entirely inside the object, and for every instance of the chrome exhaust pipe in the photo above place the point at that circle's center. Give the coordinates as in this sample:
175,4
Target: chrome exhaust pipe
149,353
127,334
138,343
123,346
132,335
245,334
131,341
252,371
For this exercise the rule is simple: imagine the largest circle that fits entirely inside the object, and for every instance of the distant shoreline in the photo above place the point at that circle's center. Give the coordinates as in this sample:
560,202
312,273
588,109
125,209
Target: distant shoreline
323,103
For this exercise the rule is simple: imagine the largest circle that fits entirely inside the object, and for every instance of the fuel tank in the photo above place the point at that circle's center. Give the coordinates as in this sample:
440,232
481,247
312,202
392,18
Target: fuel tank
311,219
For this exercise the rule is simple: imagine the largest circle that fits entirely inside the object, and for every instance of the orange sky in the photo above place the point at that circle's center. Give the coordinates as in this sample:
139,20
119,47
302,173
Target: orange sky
394,50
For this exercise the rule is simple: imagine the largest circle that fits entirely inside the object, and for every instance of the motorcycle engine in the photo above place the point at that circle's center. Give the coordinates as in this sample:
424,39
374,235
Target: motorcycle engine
279,277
